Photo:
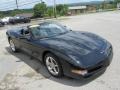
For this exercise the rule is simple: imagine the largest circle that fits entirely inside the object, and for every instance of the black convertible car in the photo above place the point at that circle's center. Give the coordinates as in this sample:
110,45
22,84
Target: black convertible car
19,19
64,52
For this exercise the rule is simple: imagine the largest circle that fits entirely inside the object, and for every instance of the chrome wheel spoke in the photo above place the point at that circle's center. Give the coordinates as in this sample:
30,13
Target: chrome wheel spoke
55,69
56,65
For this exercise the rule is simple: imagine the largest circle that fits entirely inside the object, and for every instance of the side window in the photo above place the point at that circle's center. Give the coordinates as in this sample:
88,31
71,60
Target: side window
22,17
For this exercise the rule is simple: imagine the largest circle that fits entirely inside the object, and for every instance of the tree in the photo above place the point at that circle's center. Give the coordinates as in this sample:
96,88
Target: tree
62,9
50,11
40,9
117,1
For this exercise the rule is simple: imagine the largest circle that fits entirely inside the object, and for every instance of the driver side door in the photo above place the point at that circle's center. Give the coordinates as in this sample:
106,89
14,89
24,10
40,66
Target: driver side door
31,44
25,40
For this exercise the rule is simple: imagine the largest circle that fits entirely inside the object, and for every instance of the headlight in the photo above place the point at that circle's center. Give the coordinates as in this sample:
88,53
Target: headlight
108,51
80,72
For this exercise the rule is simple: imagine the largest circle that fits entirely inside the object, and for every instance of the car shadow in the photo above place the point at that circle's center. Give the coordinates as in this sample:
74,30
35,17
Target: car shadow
40,69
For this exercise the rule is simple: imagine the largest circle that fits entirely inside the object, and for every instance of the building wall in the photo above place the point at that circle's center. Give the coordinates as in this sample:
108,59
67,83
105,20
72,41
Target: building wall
77,11
91,9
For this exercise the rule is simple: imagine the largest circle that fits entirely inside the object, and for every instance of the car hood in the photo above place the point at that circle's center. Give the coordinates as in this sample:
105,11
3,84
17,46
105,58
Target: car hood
84,49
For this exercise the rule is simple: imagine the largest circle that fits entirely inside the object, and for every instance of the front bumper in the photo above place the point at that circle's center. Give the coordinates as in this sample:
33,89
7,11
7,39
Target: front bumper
95,70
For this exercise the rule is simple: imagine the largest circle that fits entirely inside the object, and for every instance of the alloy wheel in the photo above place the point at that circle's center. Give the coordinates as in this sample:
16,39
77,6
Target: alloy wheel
12,46
52,66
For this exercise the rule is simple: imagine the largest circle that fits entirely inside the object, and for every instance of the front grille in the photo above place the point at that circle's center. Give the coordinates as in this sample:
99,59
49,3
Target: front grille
94,69
104,63
98,66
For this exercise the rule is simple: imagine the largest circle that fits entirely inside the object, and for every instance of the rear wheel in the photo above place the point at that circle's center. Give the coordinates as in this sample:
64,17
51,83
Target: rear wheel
12,45
53,65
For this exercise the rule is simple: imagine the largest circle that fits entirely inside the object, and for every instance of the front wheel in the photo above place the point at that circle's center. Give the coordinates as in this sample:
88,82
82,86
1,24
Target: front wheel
53,65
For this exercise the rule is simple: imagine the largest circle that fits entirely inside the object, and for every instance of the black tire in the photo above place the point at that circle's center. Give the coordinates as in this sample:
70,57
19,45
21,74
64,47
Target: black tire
60,71
15,48
25,21
13,22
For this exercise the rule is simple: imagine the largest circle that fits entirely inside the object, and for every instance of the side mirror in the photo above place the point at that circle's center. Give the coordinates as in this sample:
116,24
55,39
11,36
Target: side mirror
22,31
25,34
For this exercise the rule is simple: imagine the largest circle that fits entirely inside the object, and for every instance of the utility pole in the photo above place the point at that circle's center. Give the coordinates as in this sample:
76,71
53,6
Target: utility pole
17,4
54,9
41,1
104,4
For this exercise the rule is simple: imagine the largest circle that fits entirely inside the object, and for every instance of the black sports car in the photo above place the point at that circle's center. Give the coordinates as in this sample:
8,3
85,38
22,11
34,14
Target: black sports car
19,19
64,52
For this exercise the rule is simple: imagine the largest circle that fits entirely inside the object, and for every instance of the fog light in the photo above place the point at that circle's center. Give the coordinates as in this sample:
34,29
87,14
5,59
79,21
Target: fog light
81,72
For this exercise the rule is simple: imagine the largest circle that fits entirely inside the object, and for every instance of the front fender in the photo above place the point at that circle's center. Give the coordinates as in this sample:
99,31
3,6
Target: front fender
63,57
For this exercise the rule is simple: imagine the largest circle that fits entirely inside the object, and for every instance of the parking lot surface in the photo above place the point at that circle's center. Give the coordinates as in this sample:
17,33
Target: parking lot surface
19,72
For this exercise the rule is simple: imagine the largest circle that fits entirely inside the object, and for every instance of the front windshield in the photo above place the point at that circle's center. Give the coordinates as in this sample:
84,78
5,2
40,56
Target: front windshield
48,30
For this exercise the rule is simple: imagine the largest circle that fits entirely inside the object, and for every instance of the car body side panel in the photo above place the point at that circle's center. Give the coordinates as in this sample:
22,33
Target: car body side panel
33,48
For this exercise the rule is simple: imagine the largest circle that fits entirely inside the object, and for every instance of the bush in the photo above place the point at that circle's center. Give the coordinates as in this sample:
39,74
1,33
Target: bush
50,11
62,9
40,9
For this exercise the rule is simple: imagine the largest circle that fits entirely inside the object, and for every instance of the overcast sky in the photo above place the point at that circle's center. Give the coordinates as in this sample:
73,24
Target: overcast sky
11,4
